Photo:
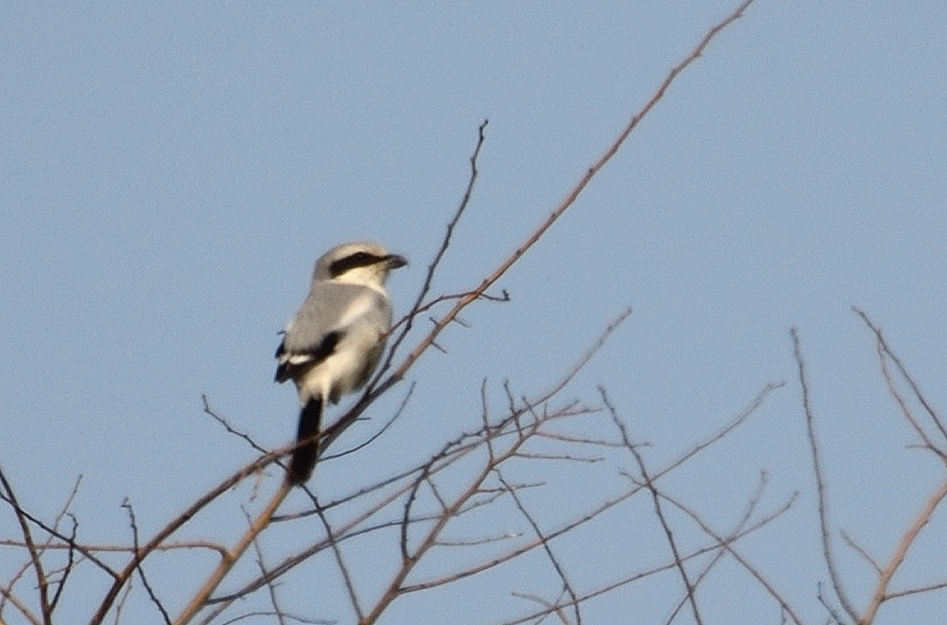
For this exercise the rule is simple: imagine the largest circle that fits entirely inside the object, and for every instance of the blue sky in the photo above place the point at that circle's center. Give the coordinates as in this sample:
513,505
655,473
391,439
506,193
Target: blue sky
168,174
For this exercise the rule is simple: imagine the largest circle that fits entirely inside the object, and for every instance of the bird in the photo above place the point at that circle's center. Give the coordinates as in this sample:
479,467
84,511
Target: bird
332,344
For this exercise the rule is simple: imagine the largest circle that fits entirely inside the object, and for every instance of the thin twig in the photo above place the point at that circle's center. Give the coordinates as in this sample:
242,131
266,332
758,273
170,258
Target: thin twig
122,577
381,430
373,389
230,429
37,565
70,561
938,423
340,562
439,255
727,544
270,585
656,501
8,595
861,551
141,571
820,482
566,586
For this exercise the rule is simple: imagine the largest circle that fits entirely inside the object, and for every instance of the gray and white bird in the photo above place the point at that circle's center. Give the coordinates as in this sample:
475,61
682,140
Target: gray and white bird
332,344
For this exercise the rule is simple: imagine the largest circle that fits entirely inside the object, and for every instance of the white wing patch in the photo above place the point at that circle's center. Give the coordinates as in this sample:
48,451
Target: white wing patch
297,359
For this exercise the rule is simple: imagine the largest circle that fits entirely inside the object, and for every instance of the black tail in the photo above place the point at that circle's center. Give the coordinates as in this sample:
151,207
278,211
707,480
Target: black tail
304,458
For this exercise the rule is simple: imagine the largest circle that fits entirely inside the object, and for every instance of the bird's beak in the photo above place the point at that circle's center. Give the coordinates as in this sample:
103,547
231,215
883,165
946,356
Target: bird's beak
393,261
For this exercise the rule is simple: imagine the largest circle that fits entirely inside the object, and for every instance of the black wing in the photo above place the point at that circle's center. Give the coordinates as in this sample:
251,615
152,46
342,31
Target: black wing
305,358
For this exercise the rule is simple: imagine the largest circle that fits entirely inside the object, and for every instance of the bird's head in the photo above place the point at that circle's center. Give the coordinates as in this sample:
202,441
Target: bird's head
359,262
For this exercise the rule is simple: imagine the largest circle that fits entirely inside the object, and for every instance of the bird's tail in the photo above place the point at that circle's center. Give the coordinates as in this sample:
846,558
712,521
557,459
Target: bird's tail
304,458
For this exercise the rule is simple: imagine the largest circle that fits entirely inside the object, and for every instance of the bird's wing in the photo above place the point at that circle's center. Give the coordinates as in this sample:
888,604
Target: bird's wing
323,320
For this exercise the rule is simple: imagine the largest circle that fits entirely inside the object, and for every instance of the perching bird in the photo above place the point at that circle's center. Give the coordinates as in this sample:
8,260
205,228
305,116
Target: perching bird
332,344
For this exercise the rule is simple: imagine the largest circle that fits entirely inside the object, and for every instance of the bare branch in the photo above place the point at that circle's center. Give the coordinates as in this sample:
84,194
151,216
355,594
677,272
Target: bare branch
609,588
261,564
197,602
880,594
566,586
728,542
141,571
230,429
37,565
8,595
896,594
935,418
70,558
656,500
532,238
820,481
381,430
87,553
121,578
422,495
902,403
861,551
438,257
340,562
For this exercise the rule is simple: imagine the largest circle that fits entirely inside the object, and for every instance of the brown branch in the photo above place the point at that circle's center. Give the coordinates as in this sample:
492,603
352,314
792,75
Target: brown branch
122,577
448,297
440,325
720,434
8,595
605,505
880,594
71,552
884,355
453,452
37,565
854,546
66,542
410,557
409,560
70,560
373,390
718,556
903,404
381,430
896,594
550,607
198,600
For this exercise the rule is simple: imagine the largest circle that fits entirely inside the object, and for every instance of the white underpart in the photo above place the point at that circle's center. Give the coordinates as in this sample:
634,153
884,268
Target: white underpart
342,370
